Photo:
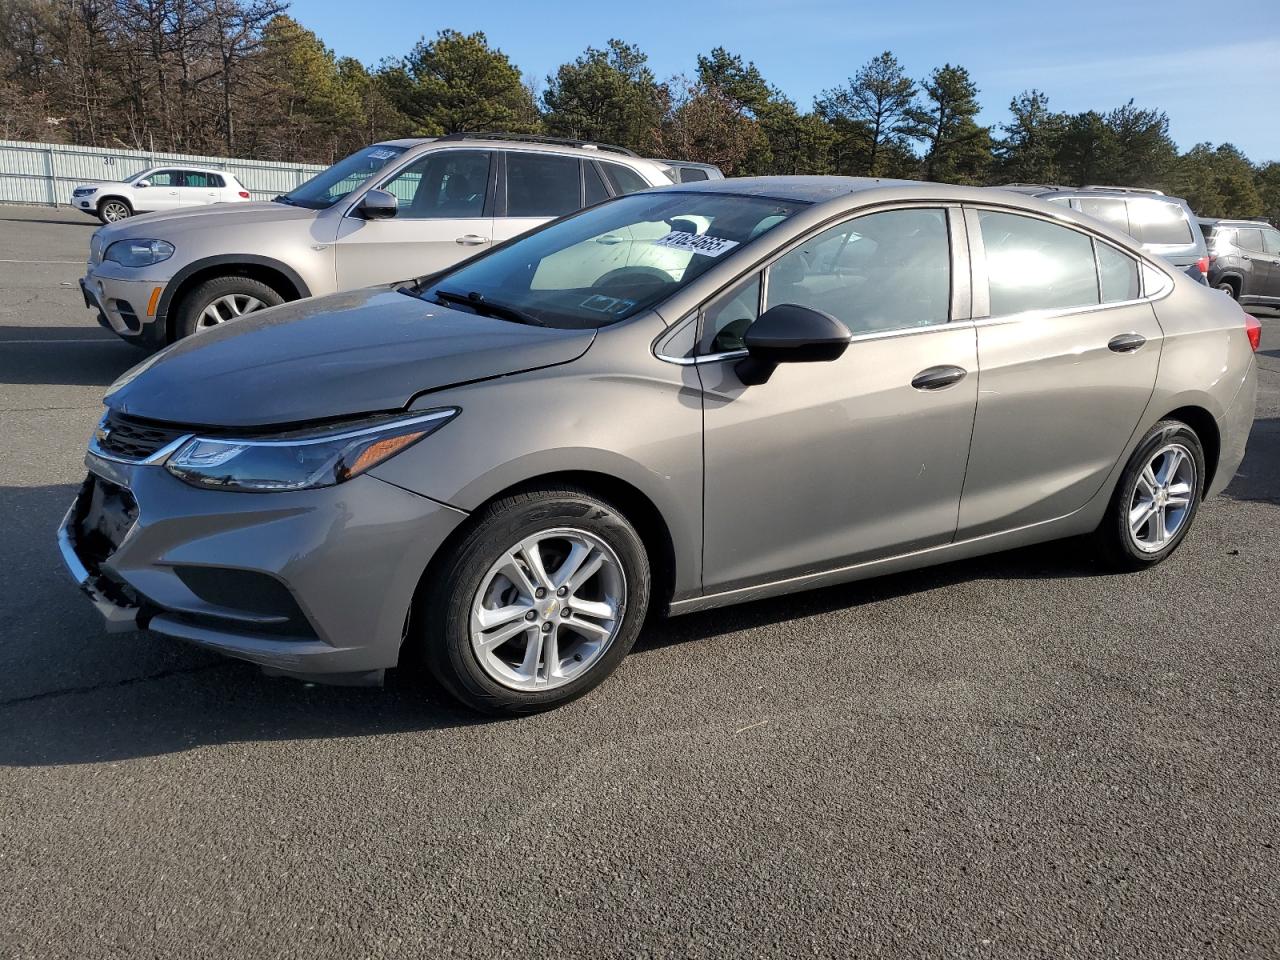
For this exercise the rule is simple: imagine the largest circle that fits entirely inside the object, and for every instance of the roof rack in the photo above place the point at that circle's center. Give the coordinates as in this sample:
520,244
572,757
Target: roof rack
538,138
1037,186
1103,186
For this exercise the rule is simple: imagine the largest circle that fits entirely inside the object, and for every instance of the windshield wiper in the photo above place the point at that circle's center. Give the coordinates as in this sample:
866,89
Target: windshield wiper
282,198
480,304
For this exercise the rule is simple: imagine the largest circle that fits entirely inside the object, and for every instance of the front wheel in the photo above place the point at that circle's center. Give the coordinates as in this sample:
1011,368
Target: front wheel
537,603
1156,500
220,300
113,211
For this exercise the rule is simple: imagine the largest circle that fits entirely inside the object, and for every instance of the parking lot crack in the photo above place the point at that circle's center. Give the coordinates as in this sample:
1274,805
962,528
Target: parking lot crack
126,682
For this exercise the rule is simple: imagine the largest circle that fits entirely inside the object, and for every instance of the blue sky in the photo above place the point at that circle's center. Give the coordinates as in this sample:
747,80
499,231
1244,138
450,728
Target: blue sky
1218,77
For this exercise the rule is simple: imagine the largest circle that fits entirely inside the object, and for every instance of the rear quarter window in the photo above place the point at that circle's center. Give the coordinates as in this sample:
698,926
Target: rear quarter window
624,179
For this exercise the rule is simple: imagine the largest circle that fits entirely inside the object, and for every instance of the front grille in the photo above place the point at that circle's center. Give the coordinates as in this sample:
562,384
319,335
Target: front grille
131,439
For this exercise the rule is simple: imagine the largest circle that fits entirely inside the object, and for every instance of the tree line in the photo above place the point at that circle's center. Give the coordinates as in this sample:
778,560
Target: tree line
242,78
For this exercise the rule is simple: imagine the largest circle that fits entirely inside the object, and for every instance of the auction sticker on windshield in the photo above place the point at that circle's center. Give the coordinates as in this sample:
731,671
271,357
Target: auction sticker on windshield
693,243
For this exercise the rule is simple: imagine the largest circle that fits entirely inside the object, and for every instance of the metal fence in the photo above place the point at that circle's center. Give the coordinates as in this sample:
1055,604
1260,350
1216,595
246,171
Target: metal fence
46,173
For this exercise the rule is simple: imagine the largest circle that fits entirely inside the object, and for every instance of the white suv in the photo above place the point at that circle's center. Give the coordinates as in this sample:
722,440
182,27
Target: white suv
389,212
157,188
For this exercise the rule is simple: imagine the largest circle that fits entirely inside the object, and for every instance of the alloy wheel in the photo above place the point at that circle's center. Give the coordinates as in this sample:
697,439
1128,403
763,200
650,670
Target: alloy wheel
548,609
226,308
113,211
1162,498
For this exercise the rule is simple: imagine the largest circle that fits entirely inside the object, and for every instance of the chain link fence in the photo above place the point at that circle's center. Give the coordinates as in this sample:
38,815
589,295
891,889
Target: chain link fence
46,173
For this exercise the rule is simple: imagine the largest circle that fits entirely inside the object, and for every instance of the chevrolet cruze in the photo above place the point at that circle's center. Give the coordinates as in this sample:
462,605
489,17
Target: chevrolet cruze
675,400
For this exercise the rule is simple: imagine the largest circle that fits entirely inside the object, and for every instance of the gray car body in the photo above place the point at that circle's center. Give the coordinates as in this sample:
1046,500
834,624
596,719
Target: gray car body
827,473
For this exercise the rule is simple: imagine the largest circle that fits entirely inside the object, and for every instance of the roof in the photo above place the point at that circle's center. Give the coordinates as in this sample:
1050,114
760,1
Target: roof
803,189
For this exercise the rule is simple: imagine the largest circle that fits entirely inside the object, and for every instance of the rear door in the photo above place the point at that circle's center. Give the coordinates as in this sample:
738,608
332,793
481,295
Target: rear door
1068,350
445,215
1270,287
535,187
199,188
163,191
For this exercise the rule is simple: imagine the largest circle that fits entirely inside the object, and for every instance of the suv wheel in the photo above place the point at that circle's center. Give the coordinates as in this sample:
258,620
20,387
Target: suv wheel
1229,288
216,301
112,210
538,603
1156,500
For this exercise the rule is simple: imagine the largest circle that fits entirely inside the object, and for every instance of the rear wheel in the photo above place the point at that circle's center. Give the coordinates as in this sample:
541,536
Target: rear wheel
1156,500
1229,288
113,210
538,603
220,300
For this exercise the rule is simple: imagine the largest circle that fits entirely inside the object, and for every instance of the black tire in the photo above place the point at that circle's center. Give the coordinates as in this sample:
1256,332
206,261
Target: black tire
444,644
114,209
1229,288
186,320
1113,538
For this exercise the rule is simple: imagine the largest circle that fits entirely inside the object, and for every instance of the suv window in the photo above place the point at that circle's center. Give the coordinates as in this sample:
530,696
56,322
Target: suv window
624,179
445,184
883,271
596,189
1249,239
692,174
198,178
164,178
1108,210
1158,221
1036,265
1271,241
542,185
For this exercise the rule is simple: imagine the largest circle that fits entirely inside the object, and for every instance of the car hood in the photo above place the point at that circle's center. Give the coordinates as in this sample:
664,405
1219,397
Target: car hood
363,351
163,224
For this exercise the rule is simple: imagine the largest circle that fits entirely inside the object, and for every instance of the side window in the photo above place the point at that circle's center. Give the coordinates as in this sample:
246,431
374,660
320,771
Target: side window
446,184
1158,222
195,178
216,180
726,318
884,271
1118,274
542,185
1110,211
1036,265
692,174
596,189
624,179
165,178
1271,242
1249,239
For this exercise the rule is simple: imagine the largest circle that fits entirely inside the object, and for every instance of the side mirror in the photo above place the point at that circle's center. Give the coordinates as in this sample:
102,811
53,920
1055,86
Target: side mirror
143,183
790,333
377,205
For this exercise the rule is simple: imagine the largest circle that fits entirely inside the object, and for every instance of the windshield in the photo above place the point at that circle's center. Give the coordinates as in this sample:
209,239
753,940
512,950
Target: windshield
329,186
612,261
135,176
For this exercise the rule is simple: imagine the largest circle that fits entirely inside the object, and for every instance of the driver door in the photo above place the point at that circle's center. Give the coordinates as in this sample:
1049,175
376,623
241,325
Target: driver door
445,216
162,192
833,464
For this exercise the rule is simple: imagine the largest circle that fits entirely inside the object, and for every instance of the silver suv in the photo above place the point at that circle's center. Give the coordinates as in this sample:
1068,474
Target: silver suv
1164,225
392,211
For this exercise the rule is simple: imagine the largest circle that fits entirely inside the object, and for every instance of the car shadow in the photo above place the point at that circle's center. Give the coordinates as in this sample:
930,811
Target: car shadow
66,356
91,222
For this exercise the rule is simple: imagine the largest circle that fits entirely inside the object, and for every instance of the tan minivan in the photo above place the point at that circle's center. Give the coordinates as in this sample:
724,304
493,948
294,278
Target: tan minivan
389,212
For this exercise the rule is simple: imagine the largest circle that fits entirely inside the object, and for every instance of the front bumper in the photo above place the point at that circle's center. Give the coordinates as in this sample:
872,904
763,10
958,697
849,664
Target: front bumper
342,564
125,307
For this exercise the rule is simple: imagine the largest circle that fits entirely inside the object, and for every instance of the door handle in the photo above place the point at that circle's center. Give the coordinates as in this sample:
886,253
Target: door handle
936,378
471,240
1126,342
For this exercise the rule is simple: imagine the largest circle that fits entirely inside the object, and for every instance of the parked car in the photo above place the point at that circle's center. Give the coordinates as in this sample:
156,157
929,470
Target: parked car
1244,260
1164,225
498,470
157,188
387,212
685,171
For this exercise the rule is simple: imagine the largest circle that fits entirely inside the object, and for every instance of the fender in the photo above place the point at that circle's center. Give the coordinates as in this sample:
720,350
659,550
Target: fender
176,281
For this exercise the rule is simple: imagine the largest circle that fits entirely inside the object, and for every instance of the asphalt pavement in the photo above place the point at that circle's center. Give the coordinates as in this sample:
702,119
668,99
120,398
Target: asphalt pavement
1017,756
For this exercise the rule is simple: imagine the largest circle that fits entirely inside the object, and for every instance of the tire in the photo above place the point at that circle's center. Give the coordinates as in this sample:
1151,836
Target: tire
1229,288
113,210
457,646
226,297
1125,546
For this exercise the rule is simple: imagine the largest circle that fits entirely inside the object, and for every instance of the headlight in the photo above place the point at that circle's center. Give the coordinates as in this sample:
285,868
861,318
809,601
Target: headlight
139,253
301,462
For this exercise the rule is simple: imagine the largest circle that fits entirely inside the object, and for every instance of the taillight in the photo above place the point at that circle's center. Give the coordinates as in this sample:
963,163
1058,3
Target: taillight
245,195
1203,264
1253,330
